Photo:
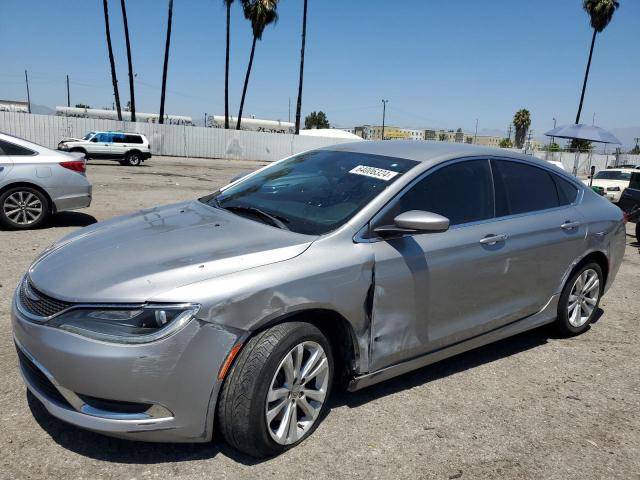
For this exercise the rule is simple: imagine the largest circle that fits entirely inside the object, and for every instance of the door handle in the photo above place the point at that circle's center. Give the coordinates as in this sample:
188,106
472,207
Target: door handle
493,239
569,225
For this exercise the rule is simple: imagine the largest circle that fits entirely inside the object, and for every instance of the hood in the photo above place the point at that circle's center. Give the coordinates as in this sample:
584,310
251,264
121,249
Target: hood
70,139
133,258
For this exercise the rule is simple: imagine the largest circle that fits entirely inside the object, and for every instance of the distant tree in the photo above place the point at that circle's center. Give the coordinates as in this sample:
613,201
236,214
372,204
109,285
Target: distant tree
226,65
260,13
166,62
552,147
506,143
522,122
600,13
132,96
635,150
304,39
316,120
579,145
82,105
114,78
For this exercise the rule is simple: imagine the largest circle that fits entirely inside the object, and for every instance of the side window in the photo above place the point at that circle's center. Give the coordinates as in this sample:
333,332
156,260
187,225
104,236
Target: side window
567,192
118,138
462,192
7,148
133,139
522,188
100,138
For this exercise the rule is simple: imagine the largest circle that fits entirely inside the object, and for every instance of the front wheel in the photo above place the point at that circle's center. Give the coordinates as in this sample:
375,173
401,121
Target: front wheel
580,299
277,390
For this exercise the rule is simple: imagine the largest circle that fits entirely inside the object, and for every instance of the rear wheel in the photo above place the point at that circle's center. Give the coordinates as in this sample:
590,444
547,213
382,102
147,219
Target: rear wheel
277,390
580,299
22,208
133,159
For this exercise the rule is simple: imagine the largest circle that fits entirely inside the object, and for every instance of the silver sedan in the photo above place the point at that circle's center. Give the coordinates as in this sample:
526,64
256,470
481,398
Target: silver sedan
354,263
36,182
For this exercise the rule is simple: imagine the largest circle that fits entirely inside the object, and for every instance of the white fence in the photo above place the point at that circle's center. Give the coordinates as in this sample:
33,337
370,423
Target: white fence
587,160
172,140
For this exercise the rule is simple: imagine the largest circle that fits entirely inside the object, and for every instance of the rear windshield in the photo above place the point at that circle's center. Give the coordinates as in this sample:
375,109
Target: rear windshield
314,192
613,175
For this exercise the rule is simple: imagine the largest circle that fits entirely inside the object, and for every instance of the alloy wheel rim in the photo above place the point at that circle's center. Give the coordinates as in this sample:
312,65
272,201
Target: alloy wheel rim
297,393
22,208
583,297
134,160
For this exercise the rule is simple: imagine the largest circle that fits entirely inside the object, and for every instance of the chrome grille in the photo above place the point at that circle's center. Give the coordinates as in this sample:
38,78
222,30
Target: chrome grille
37,303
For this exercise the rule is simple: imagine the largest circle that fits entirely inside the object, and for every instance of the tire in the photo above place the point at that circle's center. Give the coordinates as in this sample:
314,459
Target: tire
243,409
133,159
638,232
575,320
22,208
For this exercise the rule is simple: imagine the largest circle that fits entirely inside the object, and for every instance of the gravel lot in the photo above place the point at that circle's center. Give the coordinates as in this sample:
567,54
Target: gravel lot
533,406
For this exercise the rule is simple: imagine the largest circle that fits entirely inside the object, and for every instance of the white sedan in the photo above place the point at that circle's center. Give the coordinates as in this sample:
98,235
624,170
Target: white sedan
613,181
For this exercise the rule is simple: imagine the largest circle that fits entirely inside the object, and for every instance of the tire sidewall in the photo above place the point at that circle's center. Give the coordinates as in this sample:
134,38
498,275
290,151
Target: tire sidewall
8,223
306,332
563,303
129,159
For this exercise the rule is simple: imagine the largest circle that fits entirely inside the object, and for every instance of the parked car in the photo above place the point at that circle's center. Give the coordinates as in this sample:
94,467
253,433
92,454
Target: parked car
613,181
128,148
360,261
36,182
630,202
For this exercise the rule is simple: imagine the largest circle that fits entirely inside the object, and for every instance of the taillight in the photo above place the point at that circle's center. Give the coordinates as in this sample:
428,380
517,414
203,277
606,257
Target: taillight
79,166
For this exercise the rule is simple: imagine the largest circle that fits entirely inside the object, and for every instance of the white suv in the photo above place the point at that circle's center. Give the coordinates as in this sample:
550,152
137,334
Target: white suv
129,148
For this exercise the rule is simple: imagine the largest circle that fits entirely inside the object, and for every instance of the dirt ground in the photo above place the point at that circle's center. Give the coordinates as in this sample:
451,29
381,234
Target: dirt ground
534,406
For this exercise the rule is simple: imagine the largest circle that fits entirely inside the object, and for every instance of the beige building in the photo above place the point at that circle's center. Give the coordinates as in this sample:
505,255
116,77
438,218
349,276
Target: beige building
374,132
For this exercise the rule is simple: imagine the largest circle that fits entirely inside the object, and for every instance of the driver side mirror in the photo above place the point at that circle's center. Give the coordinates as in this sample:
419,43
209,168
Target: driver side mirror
414,221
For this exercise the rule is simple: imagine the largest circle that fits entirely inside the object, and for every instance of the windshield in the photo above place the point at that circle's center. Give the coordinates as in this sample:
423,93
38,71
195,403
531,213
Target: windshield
88,136
613,175
314,192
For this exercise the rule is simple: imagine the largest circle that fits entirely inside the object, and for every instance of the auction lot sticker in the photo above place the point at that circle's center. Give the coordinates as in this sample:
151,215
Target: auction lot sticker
379,173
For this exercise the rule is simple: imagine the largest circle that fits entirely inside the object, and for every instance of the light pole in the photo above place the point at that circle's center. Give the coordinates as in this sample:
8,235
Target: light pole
553,139
475,135
384,113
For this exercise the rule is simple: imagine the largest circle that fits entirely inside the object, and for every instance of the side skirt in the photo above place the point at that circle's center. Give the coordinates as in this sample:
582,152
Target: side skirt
544,316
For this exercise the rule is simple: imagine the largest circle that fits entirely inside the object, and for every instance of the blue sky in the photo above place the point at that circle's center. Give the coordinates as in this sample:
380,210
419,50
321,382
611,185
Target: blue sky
440,63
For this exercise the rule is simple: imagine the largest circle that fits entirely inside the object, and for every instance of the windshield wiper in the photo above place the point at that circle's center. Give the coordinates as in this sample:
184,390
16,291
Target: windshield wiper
276,221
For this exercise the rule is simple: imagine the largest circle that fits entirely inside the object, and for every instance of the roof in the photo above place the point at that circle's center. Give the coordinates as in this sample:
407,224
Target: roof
427,151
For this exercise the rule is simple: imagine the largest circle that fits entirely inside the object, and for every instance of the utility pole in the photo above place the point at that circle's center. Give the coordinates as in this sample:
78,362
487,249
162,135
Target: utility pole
205,119
593,121
475,135
68,94
26,78
289,109
553,139
510,129
384,113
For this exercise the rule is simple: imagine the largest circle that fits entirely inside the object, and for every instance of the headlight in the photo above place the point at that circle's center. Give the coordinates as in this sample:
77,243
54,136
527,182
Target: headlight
126,325
613,189
62,146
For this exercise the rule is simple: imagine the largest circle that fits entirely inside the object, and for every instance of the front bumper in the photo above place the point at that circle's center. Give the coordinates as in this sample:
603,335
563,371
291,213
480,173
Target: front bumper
163,391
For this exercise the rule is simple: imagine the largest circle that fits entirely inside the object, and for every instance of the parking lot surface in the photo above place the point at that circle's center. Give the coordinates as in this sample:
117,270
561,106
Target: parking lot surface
534,406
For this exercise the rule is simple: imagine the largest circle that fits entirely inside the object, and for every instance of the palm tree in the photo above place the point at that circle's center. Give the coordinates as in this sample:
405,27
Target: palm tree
166,62
601,12
304,39
261,13
226,67
114,79
126,36
522,122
